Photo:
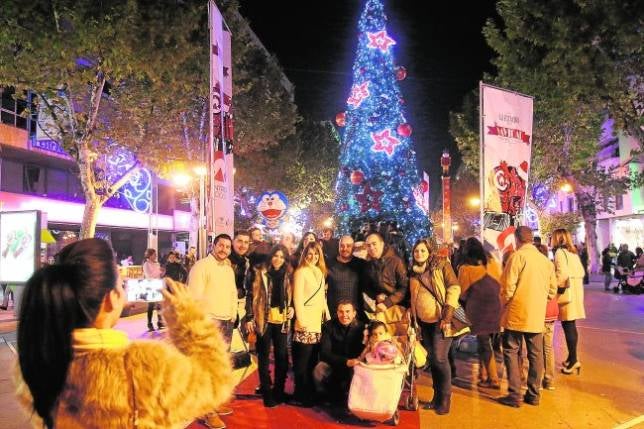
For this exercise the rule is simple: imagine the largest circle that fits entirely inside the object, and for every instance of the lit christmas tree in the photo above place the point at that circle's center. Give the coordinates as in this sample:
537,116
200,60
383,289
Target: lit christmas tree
377,163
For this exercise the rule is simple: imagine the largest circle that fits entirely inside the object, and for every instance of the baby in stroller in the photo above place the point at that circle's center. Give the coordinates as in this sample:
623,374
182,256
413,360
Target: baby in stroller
381,347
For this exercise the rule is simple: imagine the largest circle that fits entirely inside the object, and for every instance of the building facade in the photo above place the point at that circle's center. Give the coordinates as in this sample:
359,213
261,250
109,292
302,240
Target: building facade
36,174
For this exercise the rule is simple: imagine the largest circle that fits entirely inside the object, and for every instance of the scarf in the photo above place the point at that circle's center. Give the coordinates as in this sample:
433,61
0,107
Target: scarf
88,339
277,291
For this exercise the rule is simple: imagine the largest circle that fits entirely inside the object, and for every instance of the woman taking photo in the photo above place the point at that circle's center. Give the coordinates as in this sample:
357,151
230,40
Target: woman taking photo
478,276
269,312
310,311
152,270
434,296
570,276
76,371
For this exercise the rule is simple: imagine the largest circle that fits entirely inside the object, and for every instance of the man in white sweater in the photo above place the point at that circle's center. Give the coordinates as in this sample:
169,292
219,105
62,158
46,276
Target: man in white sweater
212,283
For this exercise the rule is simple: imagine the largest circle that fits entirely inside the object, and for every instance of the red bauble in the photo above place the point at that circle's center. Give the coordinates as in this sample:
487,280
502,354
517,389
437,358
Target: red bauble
424,186
357,177
401,73
404,130
341,119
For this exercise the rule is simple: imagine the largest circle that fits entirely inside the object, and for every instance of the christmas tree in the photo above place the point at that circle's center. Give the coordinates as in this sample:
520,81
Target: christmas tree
378,171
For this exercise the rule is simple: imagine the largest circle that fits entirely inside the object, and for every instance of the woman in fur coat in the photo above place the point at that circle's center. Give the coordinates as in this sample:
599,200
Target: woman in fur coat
75,371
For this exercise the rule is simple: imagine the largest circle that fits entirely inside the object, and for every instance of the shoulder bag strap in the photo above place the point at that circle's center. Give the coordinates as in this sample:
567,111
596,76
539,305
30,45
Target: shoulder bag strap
432,289
316,291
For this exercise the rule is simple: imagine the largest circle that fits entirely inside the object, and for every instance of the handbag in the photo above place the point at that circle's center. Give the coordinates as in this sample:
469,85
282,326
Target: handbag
241,359
460,323
420,355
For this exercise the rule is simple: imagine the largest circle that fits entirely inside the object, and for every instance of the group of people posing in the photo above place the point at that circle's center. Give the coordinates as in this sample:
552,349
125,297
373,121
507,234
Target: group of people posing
318,294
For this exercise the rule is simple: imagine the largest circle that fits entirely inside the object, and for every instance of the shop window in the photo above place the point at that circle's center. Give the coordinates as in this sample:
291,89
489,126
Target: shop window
619,202
11,174
33,180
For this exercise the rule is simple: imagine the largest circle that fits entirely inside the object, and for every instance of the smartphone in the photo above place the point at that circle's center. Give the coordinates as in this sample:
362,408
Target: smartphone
146,290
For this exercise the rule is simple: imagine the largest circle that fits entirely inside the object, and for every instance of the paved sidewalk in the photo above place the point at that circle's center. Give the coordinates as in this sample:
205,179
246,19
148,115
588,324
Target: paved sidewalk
608,394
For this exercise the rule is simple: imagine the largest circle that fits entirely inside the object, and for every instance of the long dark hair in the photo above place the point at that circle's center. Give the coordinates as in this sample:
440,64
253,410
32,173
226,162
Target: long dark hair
58,299
286,267
473,252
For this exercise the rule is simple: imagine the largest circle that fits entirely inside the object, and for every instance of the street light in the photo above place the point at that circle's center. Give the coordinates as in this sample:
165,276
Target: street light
201,171
474,201
566,187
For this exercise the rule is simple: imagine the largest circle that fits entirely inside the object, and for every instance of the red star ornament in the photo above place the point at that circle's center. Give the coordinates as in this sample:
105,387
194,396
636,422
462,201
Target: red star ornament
369,199
380,40
384,142
359,92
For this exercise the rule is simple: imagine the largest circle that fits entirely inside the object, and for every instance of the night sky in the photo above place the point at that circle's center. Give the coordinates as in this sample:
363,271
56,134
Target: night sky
440,44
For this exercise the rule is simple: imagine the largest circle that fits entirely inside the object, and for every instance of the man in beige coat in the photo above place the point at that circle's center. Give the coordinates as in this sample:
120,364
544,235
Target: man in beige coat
528,282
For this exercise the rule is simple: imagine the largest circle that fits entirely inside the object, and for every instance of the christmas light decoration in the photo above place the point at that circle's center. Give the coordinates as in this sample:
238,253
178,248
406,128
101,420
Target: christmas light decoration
378,172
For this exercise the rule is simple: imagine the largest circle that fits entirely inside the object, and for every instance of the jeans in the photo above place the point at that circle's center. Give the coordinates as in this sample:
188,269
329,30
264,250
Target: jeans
438,348
226,327
570,331
511,344
333,381
487,363
151,307
272,336
608,277
549,352
305,357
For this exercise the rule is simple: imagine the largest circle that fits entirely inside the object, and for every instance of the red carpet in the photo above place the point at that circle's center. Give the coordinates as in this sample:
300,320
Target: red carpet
251,414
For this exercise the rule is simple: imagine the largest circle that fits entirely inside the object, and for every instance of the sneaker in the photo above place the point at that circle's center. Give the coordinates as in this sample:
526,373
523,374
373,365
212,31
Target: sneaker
160,326
224,410
213,421
510,401
150,327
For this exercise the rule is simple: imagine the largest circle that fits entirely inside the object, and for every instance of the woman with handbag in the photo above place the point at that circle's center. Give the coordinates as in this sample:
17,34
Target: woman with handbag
309,300
434,292
268,313
479,276
570,277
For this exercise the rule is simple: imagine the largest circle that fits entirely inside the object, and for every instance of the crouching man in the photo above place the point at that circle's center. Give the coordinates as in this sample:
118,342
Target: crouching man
341,344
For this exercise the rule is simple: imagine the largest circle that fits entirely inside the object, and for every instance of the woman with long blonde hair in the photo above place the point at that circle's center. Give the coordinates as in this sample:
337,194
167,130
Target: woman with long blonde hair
570,276
309,300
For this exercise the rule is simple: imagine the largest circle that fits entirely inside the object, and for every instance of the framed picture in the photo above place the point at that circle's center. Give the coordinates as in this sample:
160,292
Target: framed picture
19,245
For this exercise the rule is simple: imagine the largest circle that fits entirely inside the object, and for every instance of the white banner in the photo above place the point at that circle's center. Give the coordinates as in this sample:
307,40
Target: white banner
506,143
220,213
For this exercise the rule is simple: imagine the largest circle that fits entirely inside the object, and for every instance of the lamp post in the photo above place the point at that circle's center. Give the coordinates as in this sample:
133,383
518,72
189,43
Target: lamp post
201,171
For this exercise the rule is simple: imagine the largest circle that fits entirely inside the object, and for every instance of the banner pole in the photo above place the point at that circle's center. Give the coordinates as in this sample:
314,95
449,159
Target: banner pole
481,154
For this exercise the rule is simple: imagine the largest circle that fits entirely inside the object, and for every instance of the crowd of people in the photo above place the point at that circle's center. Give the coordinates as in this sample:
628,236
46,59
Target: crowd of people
323,300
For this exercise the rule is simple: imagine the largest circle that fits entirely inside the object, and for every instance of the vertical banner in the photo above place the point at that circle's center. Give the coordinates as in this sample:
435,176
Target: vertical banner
220,207
506,143
421,194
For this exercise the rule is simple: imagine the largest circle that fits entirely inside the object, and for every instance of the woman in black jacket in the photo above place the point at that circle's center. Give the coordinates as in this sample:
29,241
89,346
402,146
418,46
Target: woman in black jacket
269,312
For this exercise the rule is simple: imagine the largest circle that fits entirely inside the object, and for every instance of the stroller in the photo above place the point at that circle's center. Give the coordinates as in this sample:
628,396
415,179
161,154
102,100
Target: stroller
377,390
630,281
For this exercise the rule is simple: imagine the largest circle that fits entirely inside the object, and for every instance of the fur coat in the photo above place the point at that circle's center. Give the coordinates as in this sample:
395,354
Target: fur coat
146,384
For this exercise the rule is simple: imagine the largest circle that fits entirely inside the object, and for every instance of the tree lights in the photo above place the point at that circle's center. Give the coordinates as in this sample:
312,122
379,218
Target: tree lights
377,164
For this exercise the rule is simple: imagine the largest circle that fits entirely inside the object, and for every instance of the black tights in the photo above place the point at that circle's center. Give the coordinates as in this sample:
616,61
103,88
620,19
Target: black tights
570,331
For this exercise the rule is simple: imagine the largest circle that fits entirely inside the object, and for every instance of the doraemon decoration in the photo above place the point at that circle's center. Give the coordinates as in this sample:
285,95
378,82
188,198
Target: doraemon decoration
271,207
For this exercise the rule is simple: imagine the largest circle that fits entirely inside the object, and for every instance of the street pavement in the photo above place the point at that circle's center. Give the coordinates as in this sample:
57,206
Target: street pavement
609,392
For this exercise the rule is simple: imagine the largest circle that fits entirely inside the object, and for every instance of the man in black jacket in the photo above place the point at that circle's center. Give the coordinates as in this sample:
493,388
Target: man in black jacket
174,269
340,346
386,280
239,261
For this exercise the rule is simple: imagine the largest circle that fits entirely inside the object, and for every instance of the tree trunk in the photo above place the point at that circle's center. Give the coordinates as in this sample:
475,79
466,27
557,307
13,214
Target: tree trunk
90,216
589,214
